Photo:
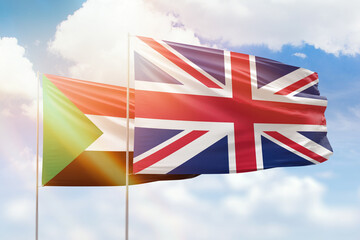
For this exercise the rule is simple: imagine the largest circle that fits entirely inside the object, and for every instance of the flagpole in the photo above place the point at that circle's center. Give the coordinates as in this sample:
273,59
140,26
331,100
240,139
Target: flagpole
37,161
127,145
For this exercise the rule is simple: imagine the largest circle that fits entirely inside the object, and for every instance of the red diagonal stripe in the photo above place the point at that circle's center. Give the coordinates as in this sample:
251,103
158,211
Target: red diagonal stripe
281,138
179,62
166,151
295,86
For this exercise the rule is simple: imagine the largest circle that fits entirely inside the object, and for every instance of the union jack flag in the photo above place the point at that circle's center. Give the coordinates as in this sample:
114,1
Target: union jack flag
201,110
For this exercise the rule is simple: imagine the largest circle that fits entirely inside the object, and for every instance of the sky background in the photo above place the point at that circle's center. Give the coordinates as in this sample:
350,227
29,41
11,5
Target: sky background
87,40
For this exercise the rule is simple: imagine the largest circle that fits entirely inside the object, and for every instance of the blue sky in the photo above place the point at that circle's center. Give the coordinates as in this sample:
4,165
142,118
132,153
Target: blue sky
87,39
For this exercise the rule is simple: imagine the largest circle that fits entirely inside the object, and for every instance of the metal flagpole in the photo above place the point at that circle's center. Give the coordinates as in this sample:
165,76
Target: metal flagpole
127,145
37,162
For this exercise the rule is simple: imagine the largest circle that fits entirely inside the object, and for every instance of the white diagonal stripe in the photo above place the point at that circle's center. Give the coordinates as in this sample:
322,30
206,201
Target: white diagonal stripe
161,146
290,131
299,90
217,131
199,69
287,80
267,92
307,143
190,84
290,149
179,157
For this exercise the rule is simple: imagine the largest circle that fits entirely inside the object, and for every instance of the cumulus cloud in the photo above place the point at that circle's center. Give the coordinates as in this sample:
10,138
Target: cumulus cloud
81,233
17,97
300,55
273,203
23,163
289,196
94,38
6,113
17,75
277,204
328,25
18,90
18,80
18,210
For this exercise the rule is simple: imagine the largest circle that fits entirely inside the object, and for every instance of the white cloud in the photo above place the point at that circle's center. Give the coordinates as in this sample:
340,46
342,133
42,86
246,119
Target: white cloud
286,195
94,38
20,164
18,80
179,194
24,161
277,204
273,203
18,210
6,112
300,55
81,233
328,25
30,109
18,90
16,75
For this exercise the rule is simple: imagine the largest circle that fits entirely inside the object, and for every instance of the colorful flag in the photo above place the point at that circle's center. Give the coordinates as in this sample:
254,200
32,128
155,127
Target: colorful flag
202,110
84,127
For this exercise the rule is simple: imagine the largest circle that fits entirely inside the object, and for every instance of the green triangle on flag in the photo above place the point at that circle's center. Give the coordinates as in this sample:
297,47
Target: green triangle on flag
67,131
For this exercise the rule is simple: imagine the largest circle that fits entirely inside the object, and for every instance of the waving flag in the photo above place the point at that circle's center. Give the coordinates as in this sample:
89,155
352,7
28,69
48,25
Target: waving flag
202,110
85,134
